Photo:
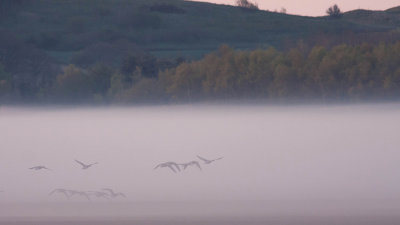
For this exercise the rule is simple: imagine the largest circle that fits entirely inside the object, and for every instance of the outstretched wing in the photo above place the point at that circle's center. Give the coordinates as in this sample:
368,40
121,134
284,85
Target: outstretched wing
33,168
80,163
85,195
184,166
176,165
205,160
66,194
218,158
172,168
197,164
157,166
122,194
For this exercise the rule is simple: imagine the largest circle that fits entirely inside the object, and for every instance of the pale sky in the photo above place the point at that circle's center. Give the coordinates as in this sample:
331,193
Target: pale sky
316,7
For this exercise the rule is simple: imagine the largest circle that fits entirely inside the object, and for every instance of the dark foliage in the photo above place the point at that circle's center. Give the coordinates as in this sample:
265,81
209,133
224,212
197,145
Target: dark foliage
334,12
145,62
246,5
31,70
111,54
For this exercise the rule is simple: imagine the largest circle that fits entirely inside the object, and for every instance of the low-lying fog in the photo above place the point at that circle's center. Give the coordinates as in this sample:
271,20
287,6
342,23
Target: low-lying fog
272,154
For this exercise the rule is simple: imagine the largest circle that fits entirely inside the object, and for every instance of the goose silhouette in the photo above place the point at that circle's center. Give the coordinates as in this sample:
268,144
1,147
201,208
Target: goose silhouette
171,165
85,166
39,168
79,193
100,194
114,194
191,163
60,191
208,161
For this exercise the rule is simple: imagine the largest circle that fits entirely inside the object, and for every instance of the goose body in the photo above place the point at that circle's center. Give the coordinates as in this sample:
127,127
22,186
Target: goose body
208,161
85,166
79,193
100,194
60,191
172,165
114,194
39,168
192,163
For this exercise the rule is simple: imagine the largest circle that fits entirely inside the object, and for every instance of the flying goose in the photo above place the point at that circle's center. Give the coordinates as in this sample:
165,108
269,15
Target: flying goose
61,191
170,165
192,163
114,194
39,168
85,166
80,193
208,161
100,194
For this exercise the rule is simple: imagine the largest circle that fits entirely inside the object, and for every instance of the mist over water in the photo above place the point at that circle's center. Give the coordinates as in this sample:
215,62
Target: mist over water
290,160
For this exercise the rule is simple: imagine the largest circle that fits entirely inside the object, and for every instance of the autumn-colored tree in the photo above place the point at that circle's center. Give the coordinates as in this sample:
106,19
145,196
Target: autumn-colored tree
73,84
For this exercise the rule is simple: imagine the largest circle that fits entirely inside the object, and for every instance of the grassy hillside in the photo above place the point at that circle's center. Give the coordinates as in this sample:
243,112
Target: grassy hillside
65,28
388,19
394,10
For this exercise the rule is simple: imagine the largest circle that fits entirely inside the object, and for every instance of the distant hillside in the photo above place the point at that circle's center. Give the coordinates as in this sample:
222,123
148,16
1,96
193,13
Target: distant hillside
388,18
113,44
394,10
66,28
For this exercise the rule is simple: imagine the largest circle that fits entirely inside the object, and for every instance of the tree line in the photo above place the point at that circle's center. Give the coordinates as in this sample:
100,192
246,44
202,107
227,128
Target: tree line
342,72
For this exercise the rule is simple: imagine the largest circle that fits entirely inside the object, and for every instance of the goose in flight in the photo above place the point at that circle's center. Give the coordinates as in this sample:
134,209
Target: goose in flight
192,163
208,161
85,166
114,194
80,193
61,191
100,194
39,168
170,165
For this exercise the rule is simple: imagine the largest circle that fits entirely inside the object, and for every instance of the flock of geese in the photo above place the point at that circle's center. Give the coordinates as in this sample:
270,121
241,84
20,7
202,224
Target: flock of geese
105,193
176,166
108,193
84,166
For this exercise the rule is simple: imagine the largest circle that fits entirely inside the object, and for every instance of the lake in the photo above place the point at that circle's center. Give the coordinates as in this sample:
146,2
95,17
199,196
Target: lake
298,164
